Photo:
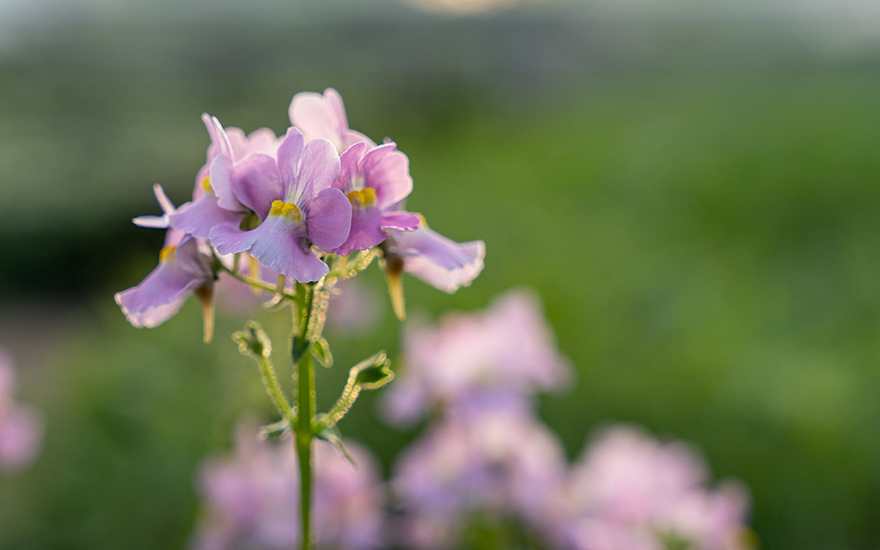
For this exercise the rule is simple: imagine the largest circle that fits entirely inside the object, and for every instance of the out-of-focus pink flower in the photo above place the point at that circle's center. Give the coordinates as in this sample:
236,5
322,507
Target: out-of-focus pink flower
496,465
629,487
354,308
21,427
323,116
251,499
497,358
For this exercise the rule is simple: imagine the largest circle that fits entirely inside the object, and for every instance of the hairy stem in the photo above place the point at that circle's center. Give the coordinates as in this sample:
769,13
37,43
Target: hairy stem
305,400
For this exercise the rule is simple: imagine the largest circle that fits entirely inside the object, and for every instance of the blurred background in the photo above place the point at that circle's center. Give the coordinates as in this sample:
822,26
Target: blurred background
691,186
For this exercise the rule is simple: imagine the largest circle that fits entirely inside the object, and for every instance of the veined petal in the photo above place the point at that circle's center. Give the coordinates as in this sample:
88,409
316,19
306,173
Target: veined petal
319,115
350,161
386,170
328,218
282,246
255,183
318,170
220,176
365,231
289,156
199,218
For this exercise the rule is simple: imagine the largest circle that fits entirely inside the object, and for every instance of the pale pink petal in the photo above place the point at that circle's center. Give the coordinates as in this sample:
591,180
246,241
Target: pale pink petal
256,183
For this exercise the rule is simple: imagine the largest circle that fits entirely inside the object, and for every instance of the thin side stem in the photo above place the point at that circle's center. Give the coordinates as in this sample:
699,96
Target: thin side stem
254,283
273,388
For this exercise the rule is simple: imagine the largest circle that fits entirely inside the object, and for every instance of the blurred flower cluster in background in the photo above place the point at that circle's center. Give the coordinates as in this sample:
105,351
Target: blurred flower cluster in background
689,186
485,472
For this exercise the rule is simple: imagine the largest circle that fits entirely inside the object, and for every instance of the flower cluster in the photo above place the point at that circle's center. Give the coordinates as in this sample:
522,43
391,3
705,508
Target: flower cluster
251,498
290,207
631,491
21,428
489,463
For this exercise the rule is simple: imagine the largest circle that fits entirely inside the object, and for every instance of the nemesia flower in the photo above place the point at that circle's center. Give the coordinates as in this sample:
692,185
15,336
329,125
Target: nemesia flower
323,116
629,487
251,498
374,181
183,270
495,465
21,427
496,358
275,208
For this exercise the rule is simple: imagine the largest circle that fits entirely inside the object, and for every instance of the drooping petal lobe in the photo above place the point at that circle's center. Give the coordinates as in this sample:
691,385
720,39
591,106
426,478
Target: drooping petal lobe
282,246
160,295
439,261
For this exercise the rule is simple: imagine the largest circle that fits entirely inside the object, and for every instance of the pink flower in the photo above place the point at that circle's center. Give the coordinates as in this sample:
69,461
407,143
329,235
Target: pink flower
251,498
21,427
374,181
274,208
496,465
496,358
628,486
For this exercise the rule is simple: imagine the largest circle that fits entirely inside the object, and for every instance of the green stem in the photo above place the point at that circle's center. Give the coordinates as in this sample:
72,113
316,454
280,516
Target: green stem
305,384
304,436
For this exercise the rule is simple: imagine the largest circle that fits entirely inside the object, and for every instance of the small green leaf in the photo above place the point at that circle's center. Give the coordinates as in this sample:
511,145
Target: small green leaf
321,352
333,436
252,341
276,430
298,348
372,373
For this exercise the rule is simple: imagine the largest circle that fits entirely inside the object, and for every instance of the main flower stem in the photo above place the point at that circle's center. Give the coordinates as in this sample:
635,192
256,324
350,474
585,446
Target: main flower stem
305,398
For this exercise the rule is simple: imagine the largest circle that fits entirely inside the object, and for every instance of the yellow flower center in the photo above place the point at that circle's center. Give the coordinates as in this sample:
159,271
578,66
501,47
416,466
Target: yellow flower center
286,210
361,198
206,185
167,254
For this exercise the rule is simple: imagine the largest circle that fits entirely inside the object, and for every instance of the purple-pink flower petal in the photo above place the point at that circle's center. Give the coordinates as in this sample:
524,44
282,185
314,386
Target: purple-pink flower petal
161,294
328,218
203,216
365,230
386,170
318,170
401,221
437,260
282,246
255,183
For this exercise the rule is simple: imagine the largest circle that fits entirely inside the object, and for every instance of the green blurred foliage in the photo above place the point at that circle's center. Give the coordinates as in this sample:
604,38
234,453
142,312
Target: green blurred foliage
705,242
